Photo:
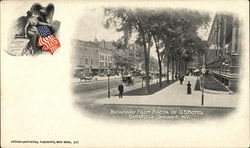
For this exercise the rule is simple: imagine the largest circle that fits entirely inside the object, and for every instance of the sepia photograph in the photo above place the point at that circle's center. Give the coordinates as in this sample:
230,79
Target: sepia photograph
157,64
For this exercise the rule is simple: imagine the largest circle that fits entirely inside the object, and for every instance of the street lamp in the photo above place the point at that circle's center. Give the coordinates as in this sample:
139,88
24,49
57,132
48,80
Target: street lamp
142,76
203,70
108,74
223,67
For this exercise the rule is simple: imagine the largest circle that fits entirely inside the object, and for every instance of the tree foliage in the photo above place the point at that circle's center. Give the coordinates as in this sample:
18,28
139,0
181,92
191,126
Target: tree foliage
172,31
127,56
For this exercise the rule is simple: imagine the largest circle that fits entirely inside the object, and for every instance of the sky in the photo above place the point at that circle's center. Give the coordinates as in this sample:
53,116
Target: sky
91,26
204,33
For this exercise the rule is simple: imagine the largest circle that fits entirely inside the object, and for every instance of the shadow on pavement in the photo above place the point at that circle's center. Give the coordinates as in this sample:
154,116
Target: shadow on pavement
152,89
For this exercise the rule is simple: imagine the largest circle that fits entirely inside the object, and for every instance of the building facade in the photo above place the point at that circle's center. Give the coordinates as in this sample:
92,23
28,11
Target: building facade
91,59
105,60
223,56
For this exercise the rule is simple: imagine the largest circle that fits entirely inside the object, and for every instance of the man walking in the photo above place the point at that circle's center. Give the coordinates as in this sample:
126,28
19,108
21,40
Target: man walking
181,79
189,88
120,89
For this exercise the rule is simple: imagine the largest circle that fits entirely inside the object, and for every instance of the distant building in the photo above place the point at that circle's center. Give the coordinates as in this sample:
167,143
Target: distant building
136,55
222,57
92,58
196,63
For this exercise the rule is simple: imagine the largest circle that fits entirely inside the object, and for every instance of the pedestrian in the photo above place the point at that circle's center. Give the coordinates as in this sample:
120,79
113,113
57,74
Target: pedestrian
129,80
120,89
176,76
189,88
181,79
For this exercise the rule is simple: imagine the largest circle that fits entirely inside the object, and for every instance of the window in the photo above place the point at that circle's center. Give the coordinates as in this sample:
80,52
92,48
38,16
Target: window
81,61
105,58
102,64
91,60
86,61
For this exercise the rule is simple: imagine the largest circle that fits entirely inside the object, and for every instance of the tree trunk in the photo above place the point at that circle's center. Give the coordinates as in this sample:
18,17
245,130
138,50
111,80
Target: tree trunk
159,61
160,73
185,67
147,66
168,64
180,66
172,61
146,60
147,74
146,52
176,67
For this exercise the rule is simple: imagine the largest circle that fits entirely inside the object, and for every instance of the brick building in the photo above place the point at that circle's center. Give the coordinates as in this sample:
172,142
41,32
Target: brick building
92,58
106,60
222,57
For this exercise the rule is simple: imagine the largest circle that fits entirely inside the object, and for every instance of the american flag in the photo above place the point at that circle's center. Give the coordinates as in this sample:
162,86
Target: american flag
47,39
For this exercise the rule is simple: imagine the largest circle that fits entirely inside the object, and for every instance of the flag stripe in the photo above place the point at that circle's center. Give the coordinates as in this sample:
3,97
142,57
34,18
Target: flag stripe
47,40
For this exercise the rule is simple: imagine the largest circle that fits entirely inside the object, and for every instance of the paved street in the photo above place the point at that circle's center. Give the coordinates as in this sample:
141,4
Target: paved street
90,96
95,78
176,94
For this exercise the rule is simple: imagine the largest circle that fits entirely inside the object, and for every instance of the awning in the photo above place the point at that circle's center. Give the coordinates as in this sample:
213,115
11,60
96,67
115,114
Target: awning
196,70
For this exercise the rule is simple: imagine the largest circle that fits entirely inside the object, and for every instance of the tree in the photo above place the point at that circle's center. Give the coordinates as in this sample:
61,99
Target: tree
180,37
126,57
170,29
132,21
173,31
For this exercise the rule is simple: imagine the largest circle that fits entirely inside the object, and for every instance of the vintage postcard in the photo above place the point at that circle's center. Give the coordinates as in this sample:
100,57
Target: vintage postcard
124,73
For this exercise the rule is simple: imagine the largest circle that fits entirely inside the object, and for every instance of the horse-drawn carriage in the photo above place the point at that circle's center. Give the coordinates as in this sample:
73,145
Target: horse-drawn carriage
128,79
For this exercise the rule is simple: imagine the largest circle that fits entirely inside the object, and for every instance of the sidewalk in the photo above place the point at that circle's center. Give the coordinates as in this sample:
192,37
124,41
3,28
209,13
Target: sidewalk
176,95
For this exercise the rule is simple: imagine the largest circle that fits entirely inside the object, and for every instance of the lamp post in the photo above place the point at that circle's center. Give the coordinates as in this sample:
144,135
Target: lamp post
223,67
142,76
108,74
203,70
